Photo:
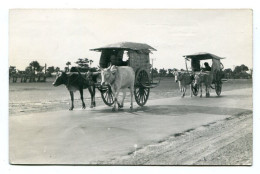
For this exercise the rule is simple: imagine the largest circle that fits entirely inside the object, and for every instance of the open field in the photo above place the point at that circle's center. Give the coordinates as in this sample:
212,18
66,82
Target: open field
27,98
169,130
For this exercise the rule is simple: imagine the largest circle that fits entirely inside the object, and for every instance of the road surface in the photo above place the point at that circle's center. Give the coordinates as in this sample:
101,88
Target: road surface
100,136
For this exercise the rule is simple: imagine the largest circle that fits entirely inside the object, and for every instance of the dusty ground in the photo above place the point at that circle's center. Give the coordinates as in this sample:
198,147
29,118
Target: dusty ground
226,142
25,98
167,131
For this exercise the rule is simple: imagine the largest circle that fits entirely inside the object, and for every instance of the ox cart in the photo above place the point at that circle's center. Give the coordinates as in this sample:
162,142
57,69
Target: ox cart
215,70
135,55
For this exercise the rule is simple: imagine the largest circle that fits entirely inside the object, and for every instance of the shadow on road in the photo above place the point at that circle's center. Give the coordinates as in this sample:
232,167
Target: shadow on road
177,110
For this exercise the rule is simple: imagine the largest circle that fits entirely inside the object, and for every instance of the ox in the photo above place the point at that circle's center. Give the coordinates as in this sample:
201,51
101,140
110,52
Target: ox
206,79
117,78
75,81
184,79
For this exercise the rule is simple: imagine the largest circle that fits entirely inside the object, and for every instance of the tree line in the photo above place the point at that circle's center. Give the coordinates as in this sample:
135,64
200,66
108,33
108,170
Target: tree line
239,72
35,70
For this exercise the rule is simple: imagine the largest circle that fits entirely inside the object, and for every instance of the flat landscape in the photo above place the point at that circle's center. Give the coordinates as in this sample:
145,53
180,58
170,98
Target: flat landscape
168,130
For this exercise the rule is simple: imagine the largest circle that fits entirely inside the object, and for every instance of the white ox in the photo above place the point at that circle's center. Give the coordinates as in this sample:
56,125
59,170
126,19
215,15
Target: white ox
184,79
206,79
119,78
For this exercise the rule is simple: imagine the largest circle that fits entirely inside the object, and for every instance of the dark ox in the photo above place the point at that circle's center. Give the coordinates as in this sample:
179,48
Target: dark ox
119,78
206,79
75,81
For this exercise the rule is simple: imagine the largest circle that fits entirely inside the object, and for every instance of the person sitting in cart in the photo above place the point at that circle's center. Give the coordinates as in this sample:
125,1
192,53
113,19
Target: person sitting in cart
207,67
117,61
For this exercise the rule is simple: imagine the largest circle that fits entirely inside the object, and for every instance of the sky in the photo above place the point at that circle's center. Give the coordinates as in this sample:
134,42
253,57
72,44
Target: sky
55,37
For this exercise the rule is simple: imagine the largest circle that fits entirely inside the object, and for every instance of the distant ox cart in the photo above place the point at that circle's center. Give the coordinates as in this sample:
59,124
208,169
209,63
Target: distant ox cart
212,76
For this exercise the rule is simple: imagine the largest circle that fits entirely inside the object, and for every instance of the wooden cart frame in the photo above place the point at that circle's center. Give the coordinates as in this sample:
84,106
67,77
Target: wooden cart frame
216,69
138,58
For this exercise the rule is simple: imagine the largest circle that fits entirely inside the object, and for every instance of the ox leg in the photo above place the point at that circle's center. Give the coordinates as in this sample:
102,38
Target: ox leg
132,95
190,90
72,100
184,91
180,86
82,99
207,91
91,94
94,93
122,103
200,90
115,102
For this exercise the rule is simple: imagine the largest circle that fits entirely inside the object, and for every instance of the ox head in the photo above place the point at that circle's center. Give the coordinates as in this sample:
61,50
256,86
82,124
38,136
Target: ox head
177,75
60,79
197,79
108,75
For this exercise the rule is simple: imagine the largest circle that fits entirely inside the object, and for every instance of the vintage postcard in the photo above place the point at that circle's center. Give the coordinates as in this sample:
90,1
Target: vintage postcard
130,87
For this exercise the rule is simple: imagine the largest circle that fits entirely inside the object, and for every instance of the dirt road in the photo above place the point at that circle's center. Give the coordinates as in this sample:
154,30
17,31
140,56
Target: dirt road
172,131
226,142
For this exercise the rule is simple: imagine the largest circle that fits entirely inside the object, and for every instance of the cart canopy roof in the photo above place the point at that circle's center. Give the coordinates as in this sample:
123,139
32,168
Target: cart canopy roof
202,56
126,46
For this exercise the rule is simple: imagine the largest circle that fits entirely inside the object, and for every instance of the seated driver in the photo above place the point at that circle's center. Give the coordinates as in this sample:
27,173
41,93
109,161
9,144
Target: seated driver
207,67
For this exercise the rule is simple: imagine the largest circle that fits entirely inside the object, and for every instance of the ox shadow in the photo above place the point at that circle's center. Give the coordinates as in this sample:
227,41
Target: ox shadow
176,110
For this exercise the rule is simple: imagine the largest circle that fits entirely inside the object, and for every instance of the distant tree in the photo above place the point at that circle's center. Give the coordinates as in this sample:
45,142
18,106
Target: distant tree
155,72
93,69
162,72
228,73
66,69
240,72
83,63
57,69
90,62
39,69
28,70
12,69
51,69
68,64
241,68
170,73
35,66
12,73
251,71
244,67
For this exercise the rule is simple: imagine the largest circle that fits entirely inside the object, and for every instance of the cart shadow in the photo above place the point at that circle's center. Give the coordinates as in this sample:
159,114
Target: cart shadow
172,110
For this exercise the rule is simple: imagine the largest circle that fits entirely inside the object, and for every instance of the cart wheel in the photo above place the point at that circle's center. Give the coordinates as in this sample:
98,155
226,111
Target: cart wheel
107,96
218,88
195,89
141,93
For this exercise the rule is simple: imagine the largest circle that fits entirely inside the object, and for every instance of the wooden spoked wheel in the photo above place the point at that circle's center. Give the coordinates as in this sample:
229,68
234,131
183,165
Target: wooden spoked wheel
140,91
107,96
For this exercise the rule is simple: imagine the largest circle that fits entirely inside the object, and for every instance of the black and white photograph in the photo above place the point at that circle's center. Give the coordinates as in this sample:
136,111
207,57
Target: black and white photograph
131,87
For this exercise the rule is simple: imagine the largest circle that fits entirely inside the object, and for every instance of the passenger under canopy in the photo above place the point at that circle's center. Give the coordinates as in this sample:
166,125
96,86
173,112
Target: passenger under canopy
137,55
201,56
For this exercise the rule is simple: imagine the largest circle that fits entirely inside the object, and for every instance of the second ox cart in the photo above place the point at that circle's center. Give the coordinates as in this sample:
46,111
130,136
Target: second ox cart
215,70
135,55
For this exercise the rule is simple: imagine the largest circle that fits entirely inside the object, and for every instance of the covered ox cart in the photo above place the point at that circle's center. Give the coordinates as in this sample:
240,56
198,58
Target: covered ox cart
215,69
135,55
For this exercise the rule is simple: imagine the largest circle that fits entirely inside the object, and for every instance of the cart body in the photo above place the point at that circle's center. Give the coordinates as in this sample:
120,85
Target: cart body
216,69
138,57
